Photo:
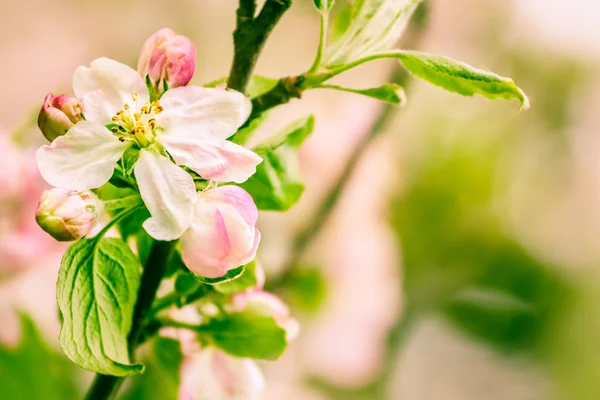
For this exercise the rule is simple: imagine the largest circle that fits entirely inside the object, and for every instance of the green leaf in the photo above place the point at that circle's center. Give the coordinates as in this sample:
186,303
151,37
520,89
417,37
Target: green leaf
96,292
306,288
341,22
246,334
389,92
246,280
324,5
242,136
277,184
258,85
460,78
230,275
33,370
129,159
186,283
162,377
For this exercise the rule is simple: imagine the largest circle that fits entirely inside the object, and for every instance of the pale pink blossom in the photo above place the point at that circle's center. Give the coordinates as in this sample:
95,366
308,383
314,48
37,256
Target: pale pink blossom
67,215
58,115
167,58
214,375
222,235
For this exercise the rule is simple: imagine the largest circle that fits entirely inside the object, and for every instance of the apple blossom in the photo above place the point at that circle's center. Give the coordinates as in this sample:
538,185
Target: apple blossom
222,234
67,214
214,375
266,303
189,125
58,115
167,58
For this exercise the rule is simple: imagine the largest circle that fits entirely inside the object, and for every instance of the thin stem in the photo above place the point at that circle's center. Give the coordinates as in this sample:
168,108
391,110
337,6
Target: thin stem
106,386
322,41
125,202
153,273
102,388
250,36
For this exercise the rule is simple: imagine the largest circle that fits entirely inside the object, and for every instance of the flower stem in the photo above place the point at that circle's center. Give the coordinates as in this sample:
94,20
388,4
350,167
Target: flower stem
250,36
102,387
106,386
324,27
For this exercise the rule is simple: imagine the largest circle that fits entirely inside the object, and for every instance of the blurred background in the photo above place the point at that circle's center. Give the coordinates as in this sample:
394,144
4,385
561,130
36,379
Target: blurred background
458,257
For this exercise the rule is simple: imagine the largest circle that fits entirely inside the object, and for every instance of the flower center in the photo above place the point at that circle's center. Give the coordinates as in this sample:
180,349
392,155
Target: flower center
138,123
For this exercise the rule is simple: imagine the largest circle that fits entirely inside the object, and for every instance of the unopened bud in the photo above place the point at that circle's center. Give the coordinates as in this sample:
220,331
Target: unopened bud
67,215
58,115
167,58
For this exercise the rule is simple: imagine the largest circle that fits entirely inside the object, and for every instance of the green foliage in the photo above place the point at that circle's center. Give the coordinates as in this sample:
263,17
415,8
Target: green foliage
186,283
96,292
33,370
324,5
459,77
162,377
246,334
129,159
341,22
277,184
389,92
457,261
306,288
259,85
246,280
230,275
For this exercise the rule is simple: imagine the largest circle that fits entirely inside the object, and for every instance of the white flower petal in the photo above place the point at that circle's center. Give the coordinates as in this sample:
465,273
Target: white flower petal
218,160
168,192
82,159
203,112
105,87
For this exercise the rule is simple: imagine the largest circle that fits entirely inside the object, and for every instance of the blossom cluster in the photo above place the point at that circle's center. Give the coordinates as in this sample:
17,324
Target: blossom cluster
174,132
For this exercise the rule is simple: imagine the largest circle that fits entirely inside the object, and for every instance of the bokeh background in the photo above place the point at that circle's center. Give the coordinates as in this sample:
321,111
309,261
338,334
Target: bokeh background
460,257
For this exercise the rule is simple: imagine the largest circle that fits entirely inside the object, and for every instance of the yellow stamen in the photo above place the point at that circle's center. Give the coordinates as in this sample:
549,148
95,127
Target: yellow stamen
126,106
115,119
146,108
120,112
137,116
114,129
158,109
135,97
152,123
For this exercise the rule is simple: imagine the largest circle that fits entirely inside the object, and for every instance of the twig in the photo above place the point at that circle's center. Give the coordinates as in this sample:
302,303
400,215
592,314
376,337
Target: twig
250,36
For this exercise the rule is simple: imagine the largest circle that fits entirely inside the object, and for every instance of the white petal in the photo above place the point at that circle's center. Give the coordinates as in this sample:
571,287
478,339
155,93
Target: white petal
105,87
217,160
84,158
203,112
168,192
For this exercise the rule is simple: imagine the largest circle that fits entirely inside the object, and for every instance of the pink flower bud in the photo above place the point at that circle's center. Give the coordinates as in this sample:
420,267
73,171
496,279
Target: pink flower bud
222,235
167,58
264,303
212,374
67,214
58,115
